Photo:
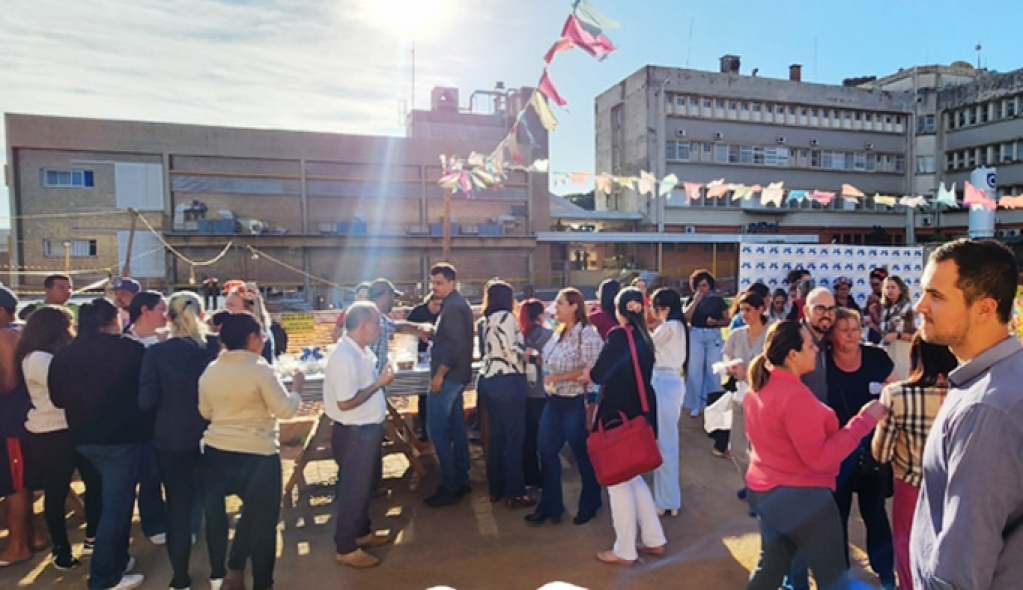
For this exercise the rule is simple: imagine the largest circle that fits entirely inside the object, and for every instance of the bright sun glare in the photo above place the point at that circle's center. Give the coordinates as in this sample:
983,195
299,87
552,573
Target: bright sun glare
408,18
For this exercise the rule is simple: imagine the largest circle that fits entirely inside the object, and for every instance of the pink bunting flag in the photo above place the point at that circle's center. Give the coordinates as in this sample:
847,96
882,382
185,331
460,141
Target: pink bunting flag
560,46
822,197
599,47
550,90
1011,202
603,183
579,178
973,196
692,190
717,189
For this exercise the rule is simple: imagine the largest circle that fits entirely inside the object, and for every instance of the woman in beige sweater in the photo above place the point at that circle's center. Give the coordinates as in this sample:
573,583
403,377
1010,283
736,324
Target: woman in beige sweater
241,397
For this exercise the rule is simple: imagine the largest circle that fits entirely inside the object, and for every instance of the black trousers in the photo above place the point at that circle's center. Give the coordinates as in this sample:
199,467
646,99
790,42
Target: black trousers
871,493
530,451
256,480
179,471
55,460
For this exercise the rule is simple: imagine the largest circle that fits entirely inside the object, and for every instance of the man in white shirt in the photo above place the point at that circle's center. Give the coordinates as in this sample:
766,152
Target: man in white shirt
353,397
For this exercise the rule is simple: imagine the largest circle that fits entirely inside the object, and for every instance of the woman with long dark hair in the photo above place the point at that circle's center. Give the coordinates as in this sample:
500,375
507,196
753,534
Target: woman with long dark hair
49,445
899,437
502,390
566,358
898,323
242,398
797,449
95,379
169,387
603,316
535,336
671,342
632,506
147,315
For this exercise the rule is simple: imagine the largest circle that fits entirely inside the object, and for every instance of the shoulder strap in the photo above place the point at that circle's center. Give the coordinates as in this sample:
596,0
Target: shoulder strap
639,375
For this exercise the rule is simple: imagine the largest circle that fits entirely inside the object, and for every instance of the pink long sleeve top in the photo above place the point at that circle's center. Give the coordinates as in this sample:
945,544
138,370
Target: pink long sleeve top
795,438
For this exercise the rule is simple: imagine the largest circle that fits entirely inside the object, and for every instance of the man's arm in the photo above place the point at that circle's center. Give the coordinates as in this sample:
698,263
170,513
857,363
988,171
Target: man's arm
8,373
385,378
985,486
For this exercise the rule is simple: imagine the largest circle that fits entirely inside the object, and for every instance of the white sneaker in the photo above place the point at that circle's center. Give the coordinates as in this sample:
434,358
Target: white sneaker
216,584
130,566
129,581
88,546
160,539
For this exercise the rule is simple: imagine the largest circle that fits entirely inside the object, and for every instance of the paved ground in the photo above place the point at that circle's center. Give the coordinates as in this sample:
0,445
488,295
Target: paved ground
712,544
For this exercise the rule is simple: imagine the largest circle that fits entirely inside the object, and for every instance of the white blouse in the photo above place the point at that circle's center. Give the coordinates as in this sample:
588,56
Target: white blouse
43,417
670,346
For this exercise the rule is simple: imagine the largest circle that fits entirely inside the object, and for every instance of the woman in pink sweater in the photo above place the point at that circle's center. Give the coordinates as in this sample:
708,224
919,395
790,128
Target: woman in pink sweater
797,447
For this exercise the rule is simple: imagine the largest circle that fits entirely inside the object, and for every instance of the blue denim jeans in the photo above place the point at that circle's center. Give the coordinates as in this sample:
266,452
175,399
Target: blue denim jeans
118,467
152,510
356,450
704,351
504,397
445,423
564,420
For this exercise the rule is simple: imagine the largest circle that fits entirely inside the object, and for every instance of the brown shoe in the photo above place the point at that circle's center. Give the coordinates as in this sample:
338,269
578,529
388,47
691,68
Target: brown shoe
372,540
358,559
234,580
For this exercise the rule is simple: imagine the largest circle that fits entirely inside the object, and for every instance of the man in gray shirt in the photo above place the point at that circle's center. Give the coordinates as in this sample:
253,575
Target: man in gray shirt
450,371
968,527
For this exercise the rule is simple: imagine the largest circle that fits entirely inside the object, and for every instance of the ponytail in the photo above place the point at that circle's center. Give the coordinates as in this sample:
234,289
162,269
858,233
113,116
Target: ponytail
184,310
758,373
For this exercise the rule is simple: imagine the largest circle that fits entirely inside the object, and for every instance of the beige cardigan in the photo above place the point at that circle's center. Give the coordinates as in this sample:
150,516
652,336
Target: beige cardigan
242,398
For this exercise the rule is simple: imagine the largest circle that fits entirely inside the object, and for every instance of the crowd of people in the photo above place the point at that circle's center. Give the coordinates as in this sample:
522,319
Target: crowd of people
149,399
826,402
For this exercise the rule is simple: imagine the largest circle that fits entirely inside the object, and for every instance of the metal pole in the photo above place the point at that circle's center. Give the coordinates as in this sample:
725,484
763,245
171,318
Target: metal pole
126,271
661,171
446,240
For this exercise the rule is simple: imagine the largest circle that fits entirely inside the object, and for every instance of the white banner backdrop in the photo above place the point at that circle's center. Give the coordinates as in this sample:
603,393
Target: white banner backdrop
771,263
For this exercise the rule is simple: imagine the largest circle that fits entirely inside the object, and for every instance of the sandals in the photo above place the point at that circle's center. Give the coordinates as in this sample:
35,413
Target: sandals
520,502
644,550
609,557
726,454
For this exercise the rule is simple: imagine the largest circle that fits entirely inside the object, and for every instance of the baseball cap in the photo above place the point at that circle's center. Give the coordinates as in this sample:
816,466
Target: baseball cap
8,300
381,286
127,284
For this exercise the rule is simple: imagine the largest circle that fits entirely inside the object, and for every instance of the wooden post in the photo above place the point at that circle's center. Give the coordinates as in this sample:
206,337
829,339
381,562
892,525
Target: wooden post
126,271
446,249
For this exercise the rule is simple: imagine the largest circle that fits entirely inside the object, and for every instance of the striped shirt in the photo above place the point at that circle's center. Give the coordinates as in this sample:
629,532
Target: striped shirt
380,348
565,353
902,432
502,345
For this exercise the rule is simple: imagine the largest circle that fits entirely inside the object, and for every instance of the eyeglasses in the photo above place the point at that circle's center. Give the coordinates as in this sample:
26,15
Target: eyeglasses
821,310
875,283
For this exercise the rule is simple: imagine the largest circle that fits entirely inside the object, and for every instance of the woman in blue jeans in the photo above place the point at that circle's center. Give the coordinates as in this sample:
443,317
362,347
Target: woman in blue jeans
706,313
572,350
502,389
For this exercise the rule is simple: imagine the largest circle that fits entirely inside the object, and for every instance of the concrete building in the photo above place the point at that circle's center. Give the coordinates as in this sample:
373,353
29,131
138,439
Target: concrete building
884,136
325,209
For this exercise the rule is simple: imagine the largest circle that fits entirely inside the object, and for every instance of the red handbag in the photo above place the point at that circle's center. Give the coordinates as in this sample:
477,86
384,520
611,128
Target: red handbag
629,448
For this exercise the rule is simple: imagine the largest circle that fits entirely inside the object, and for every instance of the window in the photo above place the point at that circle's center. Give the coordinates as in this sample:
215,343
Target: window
802,111
925,124
706,103
721,153
815,158
683,150
76,248
802,158
780,110
746,154
961,119
1010,107
860,161
67,178
856,116
900,164
813,112
838,160
985,113
792,111
693,102
1008,152
745,106
669,150
756,107
871,162
731,105
758,154
924,164
720,104
973,116
826,159
680,101
733,154
845,115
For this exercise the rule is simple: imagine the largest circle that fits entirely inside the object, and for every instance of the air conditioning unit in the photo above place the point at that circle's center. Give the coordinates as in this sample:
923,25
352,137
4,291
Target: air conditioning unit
690,229
814,142
782,139
719,135
868,145
681,133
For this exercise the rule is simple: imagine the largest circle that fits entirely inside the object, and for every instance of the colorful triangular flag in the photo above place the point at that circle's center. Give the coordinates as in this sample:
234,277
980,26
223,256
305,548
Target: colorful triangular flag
774,193
668,184
543,110
550,90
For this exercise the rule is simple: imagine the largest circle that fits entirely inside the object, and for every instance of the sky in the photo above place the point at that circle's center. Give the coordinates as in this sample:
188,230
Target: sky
345,65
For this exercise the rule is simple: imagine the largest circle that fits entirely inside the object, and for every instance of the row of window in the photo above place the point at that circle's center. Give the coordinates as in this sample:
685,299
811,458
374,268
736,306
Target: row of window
757,155
721,108
837,204
72,248
992,155
67,178
978,114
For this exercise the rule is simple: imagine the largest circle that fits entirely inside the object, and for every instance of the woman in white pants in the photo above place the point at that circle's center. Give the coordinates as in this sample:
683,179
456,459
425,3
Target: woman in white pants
671,341
623,368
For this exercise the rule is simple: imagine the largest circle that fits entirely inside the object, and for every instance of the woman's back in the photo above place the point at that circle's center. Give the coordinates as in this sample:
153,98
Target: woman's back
616,373
170,385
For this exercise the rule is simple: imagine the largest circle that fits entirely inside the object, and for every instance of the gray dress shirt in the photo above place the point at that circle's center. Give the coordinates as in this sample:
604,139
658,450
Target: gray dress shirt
452,339
968,526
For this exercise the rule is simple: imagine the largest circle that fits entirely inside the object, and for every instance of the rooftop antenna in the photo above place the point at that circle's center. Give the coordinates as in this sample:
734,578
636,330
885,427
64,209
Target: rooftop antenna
689,50
977,49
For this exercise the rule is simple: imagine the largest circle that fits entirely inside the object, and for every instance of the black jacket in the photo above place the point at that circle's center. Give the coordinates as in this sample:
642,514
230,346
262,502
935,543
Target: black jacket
169,386
95,379
614,370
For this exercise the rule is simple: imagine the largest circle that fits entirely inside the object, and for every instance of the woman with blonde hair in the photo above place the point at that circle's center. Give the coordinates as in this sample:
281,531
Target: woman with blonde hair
169,387
898,323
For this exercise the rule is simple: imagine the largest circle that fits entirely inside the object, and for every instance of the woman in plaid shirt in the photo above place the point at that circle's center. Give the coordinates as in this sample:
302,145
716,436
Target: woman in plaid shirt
572,350
901,434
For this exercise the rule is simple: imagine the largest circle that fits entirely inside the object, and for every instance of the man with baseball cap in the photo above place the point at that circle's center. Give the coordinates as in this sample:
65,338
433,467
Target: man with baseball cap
124,289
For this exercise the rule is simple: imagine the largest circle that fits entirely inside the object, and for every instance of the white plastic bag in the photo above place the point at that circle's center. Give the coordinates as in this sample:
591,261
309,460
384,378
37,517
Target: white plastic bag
718,415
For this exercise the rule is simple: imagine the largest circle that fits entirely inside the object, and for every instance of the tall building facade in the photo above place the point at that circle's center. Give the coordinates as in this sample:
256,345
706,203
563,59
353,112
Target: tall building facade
325,209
